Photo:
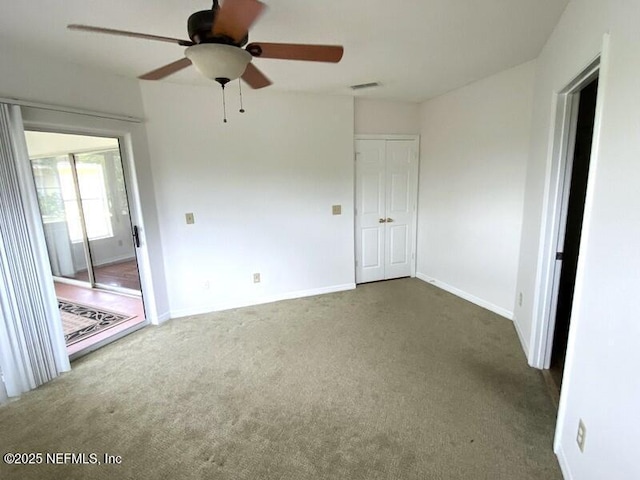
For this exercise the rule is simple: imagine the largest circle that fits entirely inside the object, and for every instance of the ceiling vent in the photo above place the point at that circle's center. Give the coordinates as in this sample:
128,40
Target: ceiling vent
365,85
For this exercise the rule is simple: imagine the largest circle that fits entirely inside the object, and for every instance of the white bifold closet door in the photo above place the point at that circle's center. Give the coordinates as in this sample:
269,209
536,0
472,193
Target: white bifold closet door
386,203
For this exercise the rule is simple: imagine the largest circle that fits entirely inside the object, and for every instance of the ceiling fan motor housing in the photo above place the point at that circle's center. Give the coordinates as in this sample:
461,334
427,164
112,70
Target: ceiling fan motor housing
199,27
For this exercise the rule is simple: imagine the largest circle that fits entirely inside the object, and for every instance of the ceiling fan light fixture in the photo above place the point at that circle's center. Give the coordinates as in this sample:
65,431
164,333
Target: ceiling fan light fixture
216,60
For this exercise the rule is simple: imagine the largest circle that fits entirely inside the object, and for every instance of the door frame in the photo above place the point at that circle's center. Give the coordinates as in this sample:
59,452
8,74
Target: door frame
414,223
39,119
564,108
86,241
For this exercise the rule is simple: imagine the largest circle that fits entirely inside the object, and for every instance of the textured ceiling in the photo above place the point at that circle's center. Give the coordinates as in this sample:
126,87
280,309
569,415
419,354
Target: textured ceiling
416,49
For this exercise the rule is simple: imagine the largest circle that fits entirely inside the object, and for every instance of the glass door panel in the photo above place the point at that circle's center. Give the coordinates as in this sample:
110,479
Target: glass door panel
107,220
61,218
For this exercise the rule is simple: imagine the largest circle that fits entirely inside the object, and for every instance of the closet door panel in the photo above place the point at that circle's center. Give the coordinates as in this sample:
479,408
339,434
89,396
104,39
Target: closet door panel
370,210
401,160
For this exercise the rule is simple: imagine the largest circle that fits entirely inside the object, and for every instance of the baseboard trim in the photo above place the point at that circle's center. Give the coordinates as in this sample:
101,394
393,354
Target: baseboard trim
523,343
163,317
219,307
466,296
564,464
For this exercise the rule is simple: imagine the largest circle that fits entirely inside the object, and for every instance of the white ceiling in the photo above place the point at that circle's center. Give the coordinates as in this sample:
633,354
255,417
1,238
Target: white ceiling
416,49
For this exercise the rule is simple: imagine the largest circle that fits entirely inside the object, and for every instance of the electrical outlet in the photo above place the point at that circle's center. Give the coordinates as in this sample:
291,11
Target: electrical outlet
520,299
582,435
336,209
190,218
206,284
256,278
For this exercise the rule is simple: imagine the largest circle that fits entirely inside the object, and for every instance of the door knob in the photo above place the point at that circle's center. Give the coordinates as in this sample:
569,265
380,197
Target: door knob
381,220
389,220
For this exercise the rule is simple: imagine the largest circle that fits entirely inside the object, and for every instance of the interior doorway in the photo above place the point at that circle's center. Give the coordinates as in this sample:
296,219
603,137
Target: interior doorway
576,174
91,242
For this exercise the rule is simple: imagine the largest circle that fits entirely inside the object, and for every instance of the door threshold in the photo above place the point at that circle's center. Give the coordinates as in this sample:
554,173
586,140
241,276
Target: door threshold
106,341
383,280
126,292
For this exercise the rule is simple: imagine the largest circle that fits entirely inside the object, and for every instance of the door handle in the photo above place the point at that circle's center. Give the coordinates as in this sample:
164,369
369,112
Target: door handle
136,236
389,220
381,220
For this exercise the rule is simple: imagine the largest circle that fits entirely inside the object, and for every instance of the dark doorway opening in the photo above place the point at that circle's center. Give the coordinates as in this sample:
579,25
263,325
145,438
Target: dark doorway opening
567,258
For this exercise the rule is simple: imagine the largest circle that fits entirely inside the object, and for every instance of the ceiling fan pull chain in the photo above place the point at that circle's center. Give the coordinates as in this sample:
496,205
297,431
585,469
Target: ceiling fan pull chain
240,86
224,104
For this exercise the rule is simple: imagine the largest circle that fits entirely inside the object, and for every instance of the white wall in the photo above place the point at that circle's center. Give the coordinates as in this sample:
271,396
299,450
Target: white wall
30,76
386,117
261,188
473,158
601,384
27,75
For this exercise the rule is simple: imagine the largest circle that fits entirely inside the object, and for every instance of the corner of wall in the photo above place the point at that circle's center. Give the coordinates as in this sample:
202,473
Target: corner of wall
162,318
523,340
466,296
564,463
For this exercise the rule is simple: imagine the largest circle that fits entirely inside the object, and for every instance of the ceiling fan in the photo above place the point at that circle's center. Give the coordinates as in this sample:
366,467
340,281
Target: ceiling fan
217,37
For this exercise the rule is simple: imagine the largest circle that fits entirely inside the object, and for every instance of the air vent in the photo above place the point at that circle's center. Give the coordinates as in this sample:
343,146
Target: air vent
365,85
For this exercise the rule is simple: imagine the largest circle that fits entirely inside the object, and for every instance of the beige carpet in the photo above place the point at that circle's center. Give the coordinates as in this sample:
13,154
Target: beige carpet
394,380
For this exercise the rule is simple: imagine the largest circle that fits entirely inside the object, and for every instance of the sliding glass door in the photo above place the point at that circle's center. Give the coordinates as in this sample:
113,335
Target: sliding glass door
83,202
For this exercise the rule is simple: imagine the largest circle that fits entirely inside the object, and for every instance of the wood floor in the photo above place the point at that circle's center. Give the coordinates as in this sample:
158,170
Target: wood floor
121,274
130,305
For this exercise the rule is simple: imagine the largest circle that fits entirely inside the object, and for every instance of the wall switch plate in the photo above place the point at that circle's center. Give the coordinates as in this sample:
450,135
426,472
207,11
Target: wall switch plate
336,209
582,435
256,278
190,218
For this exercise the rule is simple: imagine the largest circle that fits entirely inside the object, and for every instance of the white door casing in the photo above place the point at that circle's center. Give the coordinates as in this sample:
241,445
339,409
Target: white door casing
130,133
386,200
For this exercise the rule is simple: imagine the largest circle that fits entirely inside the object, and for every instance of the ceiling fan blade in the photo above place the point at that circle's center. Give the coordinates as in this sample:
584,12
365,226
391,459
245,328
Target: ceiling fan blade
167,70
254,77
235,17
125,33
297,51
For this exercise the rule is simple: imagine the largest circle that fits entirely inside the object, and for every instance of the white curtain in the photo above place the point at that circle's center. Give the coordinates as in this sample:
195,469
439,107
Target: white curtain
32,347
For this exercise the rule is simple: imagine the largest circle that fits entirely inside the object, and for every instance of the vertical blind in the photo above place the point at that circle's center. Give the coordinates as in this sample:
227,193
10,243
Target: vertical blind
32,347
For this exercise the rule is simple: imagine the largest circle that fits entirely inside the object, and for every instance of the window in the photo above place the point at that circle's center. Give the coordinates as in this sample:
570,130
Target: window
57,192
